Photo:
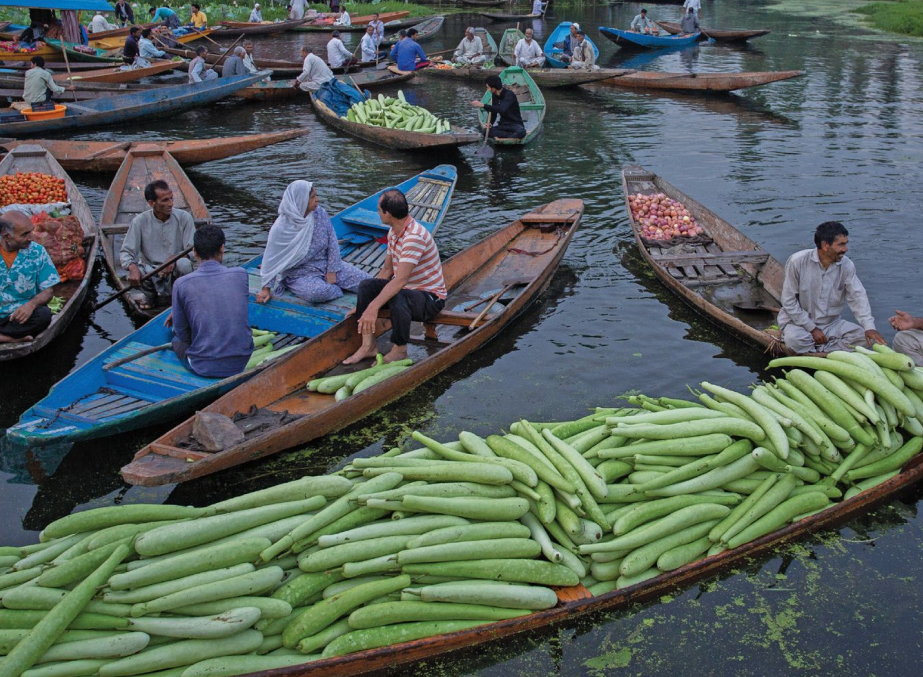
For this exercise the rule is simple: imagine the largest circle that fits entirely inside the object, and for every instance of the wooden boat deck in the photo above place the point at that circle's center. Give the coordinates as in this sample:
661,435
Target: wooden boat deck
276,412
725,275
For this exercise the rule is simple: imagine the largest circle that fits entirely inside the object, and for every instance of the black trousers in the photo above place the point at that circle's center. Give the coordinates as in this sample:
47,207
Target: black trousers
506,130
408,305
35,325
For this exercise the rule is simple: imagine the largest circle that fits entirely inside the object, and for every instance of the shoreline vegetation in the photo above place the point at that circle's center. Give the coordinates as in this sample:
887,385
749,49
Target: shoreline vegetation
904,17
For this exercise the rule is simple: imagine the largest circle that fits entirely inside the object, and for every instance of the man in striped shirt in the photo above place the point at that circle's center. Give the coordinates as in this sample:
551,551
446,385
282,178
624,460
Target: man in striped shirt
410,283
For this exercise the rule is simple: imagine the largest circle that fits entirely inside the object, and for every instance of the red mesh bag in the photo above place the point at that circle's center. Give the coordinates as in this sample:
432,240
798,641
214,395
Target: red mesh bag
63,239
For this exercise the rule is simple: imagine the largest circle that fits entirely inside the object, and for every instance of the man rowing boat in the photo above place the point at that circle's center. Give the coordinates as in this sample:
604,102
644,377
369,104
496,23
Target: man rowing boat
504,106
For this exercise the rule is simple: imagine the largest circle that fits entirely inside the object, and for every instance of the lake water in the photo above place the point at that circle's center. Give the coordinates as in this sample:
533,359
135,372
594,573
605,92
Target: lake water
843,142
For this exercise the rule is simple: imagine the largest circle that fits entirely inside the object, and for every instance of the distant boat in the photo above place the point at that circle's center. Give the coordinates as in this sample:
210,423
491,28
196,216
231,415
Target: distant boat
236,28
365,79
426,30
553,54
632,40
699,82
718,34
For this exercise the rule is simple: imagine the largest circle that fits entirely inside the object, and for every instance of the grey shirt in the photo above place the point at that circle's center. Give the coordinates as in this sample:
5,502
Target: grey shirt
36,85
689,24
233,65
812,296
150,241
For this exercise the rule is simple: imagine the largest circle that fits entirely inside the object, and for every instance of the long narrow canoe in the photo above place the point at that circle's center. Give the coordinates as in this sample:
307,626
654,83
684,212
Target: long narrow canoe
236,28
392,21
718,34
125,200
489,265
494,16
55,65
576,602
12,86
426,30
531,104
117,74
119,42
699,82
107,156
278,67
398,139
367,79
724,275
94,401
546,78
553,53
157,103
33,158
632,40
83,53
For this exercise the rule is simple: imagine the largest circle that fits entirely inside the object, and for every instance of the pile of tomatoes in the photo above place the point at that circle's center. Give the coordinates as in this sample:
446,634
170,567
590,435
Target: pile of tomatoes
31,188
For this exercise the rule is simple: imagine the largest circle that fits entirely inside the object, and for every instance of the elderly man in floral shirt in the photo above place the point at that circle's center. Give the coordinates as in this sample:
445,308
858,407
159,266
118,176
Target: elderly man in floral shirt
27,276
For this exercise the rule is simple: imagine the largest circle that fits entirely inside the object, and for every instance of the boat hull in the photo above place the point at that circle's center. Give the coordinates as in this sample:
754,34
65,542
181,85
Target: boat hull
553,54
716,34
699,82
116,75
632,40
545,78
233,29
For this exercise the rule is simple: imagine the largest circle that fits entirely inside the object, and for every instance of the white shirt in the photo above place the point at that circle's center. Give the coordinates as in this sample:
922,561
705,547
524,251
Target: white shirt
469,48
369,47
537,7
379,30
526,51
694,4
337,54
256,16
99,24
315,73
249,65
344,20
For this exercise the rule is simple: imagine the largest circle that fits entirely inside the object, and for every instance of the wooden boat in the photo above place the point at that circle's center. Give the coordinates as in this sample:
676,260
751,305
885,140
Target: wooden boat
632,40
488,265
235,28
156,103
367,79
119,41
699,82
46,51
545,78
724,275
717,34
98,399
33,158
125,200
22,67
531,104
107,156
553,53
508,42
78,53
278,67
493,16
426,30
9,87
117,74
574,603
397,139
482,3
392,21
118,32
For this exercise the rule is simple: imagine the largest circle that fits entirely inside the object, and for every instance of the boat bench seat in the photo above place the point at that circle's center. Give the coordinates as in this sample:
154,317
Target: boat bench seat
162,367
712,258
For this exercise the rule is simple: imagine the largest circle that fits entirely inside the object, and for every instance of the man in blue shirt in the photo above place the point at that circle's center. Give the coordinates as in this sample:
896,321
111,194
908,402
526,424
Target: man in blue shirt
27,279
406,52
165,15
211,329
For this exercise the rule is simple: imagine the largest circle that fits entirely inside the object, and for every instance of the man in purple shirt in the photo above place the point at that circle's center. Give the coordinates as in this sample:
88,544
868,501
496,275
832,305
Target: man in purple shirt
212,335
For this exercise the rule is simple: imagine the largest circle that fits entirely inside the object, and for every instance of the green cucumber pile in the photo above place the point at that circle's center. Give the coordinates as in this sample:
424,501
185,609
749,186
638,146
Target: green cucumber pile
344,385
396,114
263,348
452,535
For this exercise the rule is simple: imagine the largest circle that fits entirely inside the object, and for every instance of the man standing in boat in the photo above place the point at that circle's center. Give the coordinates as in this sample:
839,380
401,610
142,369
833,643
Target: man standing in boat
154,236
410,283
818,282
641,24
538,8
504,110
693,6
124,13
27,279
689,24
909,338
528,53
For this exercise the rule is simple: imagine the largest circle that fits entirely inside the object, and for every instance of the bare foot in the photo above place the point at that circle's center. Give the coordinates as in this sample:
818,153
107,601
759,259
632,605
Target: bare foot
396,353
362,354
9,339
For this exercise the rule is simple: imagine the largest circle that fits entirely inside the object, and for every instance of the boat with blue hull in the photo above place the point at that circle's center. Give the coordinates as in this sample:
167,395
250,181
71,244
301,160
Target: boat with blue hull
553,50
632,40
110,395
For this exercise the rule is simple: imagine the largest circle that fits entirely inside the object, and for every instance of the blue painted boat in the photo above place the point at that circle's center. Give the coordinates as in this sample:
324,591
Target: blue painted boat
155,103
553,53
632,40
102,398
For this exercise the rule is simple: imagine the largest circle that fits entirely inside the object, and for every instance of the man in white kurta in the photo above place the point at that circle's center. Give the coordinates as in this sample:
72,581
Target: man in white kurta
369,44
470,50
315,72
538,7
694,5
818,283
527,53
99,24
337,54
379,27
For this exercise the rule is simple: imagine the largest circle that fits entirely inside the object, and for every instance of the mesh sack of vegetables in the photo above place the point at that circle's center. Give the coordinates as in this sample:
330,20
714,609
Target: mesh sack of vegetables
63,239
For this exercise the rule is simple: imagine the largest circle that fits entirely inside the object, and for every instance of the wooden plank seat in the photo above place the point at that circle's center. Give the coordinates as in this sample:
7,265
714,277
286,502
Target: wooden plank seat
102,404
162,366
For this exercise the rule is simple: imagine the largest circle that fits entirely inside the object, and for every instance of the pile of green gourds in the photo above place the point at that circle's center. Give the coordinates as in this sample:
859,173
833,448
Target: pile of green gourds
396,114
263,349
353,383
410,544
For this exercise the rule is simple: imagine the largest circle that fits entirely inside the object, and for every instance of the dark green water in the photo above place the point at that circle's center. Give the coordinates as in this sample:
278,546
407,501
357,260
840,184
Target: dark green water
844,142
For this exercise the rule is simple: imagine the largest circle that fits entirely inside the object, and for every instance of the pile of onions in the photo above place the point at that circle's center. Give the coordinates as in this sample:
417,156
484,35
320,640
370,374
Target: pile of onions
662,218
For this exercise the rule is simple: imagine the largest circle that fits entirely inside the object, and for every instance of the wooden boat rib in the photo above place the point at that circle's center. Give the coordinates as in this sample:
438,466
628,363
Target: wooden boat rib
392,21
368,79
726,276
632,40
488,265
236,28
718,34
34,158
531,105
97,399
426,30
699,82
107,156
545,78
398,139
552,53
161,102
117,74
493,16
125,200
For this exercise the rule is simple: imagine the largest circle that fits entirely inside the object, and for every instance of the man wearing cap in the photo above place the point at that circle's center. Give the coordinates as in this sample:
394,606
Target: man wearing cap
337,54
256,16
528,54
504,119
407,54
584,55
470,50
641,24
568,44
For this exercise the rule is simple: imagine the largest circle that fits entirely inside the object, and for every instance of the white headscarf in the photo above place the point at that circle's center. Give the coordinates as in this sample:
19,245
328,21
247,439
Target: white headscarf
290,235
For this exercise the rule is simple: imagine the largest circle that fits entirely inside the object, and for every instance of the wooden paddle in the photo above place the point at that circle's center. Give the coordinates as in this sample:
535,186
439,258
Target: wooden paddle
223,56
507,285
486,151
135,356
67,65
122,292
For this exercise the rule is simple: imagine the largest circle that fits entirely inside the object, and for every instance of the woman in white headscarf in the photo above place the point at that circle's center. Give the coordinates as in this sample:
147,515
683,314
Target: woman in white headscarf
302,254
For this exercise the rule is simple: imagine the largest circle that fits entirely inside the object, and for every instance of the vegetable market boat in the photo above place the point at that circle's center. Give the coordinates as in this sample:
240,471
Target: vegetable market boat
426,30
367,79
14,53
107,156
632,40
518,260
33,158
552,50
104,398
236,28
699,82
721,273
157,103
79,53
531,104
546,78
118,74
125,200
718,34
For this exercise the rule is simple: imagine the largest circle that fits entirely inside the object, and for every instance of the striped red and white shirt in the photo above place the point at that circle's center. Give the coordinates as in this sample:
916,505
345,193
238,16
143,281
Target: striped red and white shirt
416,246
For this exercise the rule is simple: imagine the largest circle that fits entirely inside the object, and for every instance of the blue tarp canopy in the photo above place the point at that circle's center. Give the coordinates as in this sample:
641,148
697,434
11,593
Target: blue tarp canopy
101,5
